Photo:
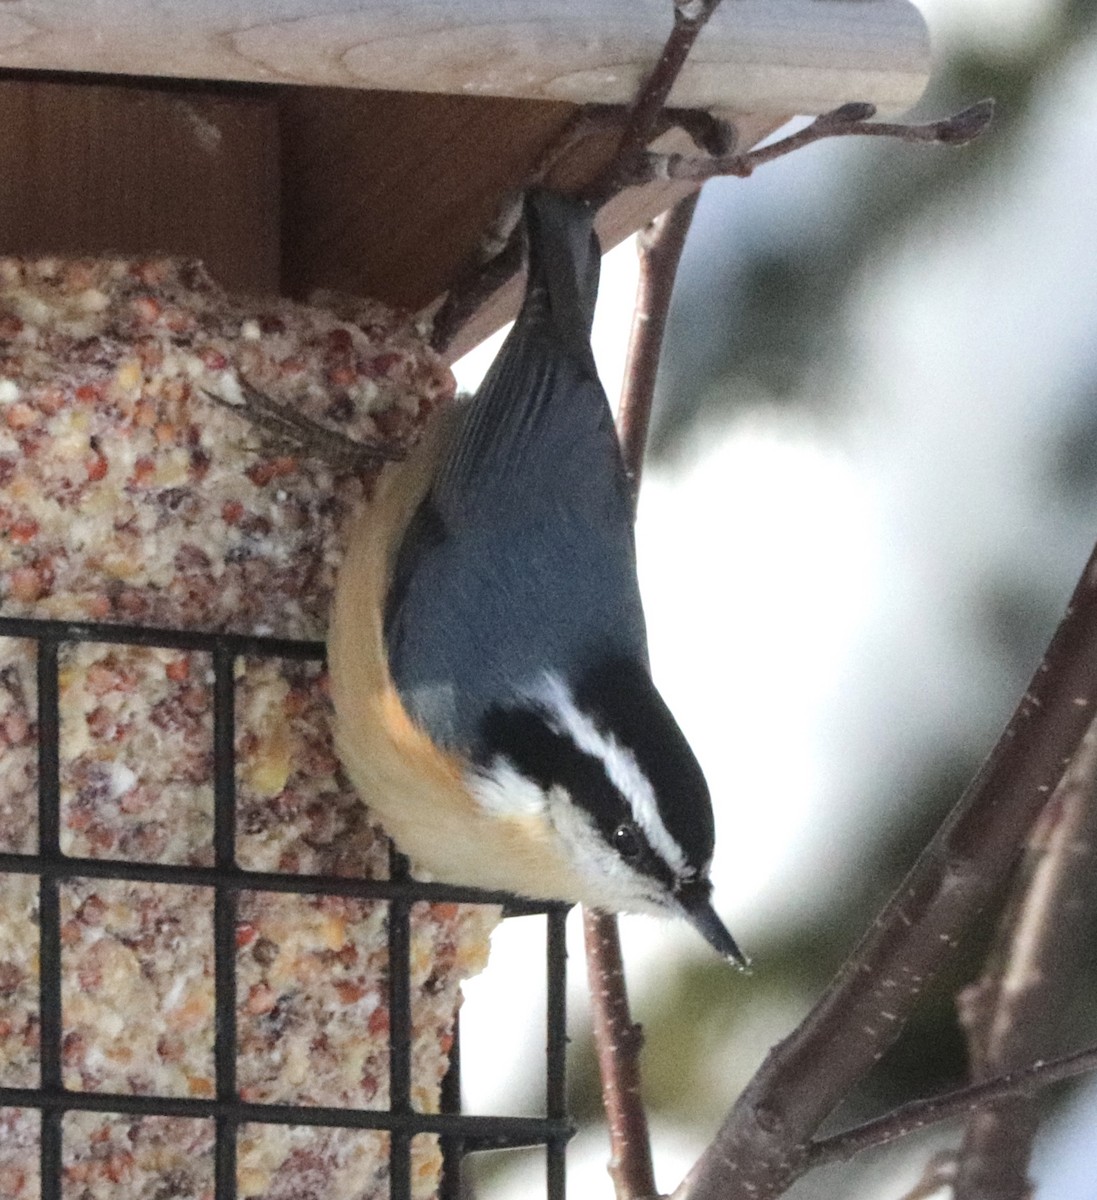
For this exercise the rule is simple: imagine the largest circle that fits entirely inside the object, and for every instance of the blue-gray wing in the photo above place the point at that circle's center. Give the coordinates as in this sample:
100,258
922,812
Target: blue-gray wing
521,559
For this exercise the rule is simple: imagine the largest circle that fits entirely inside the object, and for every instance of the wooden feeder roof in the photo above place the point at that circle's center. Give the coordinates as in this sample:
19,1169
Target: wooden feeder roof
363,145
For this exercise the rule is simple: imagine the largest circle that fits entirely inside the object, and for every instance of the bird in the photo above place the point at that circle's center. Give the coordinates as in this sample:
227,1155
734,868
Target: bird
487,649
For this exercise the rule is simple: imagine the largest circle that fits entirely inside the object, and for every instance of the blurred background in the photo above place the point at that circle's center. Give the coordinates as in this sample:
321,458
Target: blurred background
871,487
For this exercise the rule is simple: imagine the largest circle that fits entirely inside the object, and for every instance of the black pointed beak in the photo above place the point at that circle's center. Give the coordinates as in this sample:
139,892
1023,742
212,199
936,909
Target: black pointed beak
696,904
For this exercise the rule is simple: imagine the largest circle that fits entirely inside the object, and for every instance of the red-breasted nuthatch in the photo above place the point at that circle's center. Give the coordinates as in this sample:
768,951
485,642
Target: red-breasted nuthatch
488,653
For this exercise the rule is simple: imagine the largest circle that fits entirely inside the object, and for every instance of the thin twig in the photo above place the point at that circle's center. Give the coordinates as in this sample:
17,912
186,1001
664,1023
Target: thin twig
909,1118
644,120
499,255
709,133
660,246
618,1040
850,120
628,168
690,17
474,286
764,1141
616,1037
1013,1014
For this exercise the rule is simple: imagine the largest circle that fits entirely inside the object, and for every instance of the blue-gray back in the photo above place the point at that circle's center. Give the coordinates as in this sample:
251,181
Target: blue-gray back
521,558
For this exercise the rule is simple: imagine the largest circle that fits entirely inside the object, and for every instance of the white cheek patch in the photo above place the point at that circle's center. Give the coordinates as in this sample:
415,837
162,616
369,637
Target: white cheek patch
620,764
502,790
610,883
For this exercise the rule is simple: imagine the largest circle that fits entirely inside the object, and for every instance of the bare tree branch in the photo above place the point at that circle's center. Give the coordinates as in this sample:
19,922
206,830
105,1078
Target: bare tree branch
919,1114
499,256
644,120
618,1041
616,1037
709,133
690,17
764,1142
850,120
1013,1014
474,287
660,246
633,165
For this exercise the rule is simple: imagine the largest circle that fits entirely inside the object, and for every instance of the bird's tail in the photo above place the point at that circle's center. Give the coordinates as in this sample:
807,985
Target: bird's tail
539,425
564,263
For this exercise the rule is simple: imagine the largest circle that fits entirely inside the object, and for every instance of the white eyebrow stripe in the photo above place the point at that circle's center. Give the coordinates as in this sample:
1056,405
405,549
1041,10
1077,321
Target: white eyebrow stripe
621,767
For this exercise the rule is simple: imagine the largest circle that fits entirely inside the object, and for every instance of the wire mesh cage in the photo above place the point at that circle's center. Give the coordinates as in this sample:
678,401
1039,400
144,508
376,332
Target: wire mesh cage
226,1108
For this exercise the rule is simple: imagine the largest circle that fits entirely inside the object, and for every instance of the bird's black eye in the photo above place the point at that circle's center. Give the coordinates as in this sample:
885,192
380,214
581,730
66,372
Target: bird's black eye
626,841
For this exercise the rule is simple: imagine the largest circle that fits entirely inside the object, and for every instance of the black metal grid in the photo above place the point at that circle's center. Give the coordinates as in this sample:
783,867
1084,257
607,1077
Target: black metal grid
460,1134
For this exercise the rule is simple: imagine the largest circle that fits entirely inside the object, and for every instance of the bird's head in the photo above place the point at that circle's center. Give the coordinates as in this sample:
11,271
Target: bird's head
606,765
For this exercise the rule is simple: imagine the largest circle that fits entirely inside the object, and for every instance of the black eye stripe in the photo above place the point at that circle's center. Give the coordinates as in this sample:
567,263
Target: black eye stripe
619,696
550,757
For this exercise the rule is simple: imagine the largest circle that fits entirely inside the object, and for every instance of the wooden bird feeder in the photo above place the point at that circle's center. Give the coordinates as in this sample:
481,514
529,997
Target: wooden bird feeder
364,145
